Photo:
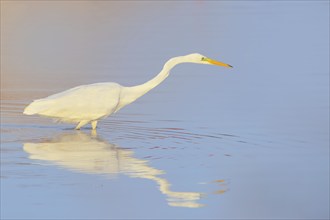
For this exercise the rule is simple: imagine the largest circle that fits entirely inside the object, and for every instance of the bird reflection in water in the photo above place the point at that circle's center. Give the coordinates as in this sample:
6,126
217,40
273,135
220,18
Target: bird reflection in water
81,152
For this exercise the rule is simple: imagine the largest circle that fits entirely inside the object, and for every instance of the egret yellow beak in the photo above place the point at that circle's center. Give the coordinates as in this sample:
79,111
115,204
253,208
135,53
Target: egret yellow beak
218,63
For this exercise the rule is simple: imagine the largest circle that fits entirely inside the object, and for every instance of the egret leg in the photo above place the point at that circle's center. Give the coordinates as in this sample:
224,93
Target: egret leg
82,123
94,124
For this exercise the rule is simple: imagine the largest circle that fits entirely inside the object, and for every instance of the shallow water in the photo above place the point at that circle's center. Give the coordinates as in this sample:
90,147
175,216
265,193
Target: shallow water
210,142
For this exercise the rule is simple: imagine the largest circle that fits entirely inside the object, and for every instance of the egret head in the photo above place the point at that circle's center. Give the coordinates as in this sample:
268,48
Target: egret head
201,59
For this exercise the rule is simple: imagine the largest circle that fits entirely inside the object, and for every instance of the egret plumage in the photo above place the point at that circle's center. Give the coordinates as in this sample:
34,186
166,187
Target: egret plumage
90,103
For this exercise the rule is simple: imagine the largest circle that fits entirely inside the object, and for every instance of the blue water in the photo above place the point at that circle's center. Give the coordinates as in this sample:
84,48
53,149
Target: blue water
208,143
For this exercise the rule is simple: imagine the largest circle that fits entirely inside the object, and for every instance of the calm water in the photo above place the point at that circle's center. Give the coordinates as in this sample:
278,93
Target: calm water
208,143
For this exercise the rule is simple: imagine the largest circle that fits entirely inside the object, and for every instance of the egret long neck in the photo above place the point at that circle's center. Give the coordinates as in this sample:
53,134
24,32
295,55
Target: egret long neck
132,93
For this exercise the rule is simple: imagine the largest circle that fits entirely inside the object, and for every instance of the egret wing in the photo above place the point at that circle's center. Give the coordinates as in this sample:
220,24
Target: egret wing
87,102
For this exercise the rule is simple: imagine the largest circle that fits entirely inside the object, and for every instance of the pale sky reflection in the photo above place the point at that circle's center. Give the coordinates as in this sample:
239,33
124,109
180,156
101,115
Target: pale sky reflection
90,154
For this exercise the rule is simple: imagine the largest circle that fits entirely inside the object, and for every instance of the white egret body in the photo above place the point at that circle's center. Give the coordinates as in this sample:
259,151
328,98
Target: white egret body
90,103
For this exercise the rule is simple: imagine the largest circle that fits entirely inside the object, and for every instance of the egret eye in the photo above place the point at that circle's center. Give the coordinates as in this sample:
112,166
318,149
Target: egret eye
203,58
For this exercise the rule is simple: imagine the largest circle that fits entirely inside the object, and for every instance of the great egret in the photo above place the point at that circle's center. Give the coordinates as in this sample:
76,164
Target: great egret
90,103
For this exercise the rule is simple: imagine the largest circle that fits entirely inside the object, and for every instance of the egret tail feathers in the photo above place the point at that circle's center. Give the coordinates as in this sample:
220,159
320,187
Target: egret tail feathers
48,108
36,107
